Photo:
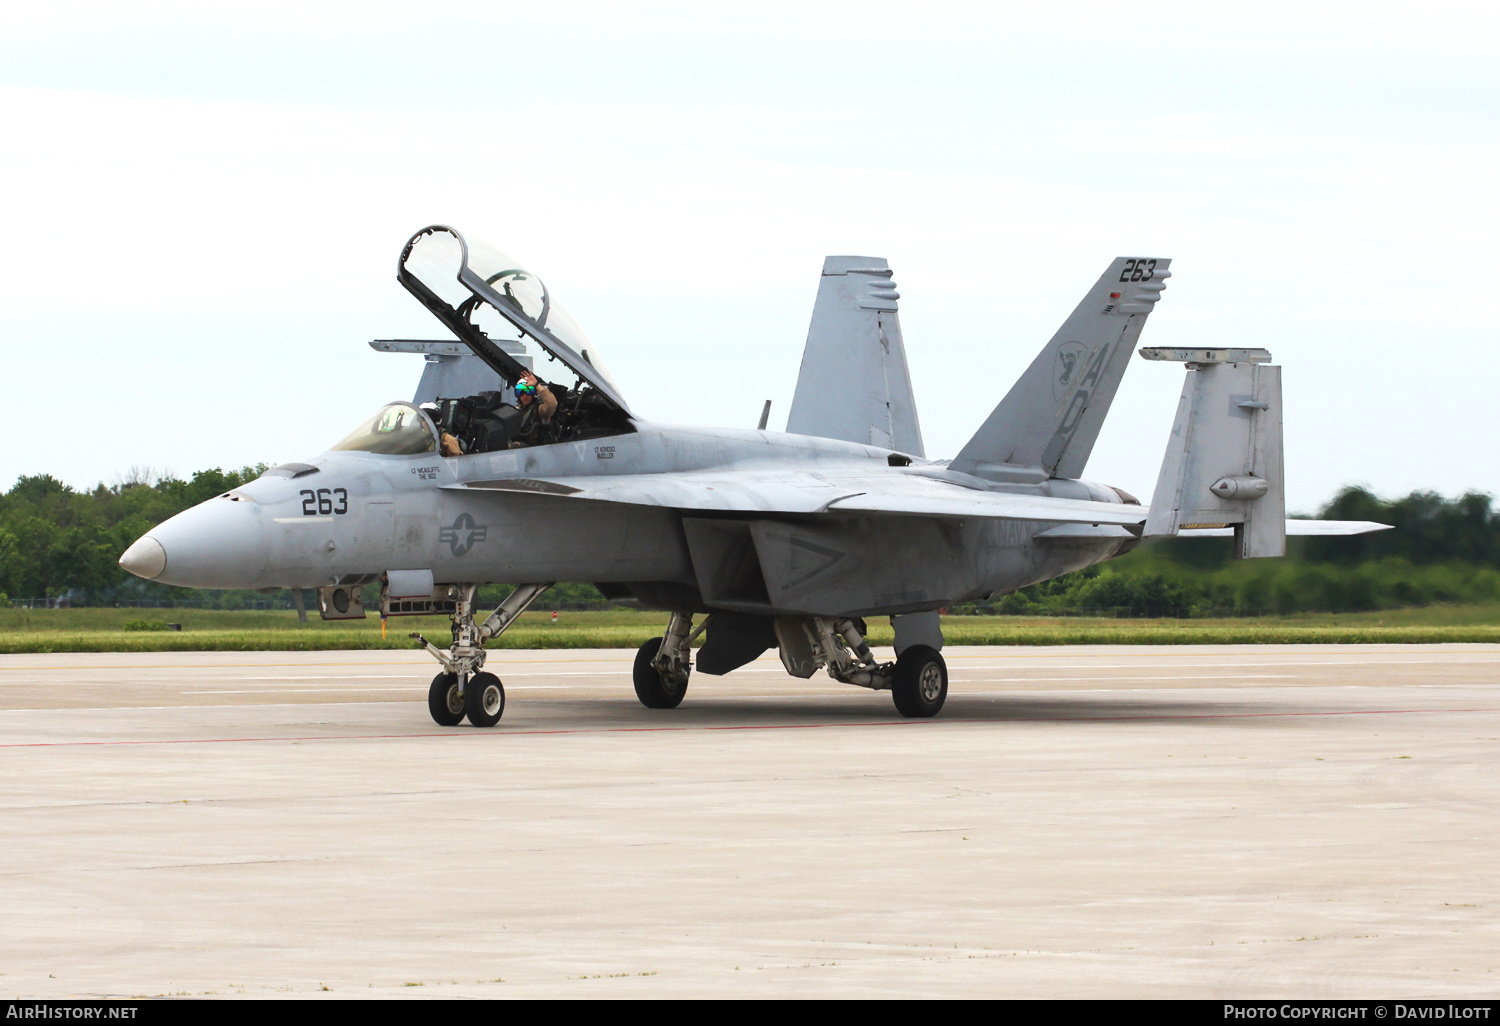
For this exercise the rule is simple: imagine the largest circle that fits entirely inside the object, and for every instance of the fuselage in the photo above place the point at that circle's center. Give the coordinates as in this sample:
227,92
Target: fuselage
347,517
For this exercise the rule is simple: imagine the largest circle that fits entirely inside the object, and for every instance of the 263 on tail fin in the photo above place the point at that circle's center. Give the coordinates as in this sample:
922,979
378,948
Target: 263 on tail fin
1051,417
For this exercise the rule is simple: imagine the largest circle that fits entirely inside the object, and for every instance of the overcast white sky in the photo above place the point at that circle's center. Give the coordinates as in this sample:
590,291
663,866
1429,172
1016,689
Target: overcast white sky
204,210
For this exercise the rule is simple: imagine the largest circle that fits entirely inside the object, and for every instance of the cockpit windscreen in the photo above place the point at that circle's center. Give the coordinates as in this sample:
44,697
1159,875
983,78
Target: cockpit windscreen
399,429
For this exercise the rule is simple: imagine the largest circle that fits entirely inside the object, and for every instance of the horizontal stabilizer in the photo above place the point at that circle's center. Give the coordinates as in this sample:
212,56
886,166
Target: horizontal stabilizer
1297,528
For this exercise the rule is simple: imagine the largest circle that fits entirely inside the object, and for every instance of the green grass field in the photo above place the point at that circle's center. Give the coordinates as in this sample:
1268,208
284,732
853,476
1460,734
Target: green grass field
103,630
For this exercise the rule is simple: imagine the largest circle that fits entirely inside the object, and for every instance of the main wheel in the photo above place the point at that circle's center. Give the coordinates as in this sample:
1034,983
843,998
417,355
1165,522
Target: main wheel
920,685
654,690
484,700
445,700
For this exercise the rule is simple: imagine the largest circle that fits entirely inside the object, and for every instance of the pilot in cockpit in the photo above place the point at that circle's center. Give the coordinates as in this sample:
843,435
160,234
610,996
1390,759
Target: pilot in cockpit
538,404
485,422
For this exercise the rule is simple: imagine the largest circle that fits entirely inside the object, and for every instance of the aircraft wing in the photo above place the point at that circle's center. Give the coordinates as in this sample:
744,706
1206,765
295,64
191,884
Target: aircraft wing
811,492
792,491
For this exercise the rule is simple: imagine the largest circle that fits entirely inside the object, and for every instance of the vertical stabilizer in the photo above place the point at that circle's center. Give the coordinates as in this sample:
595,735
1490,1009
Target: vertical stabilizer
1222,466
1051,417
854,383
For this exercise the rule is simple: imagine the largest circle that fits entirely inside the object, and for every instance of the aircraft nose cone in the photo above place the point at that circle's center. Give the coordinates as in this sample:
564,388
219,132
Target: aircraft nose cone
215,544
146,558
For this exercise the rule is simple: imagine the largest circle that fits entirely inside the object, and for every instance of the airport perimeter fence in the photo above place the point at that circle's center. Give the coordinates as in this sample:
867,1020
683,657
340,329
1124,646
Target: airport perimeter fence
1106,612
283,602
257,603
260,603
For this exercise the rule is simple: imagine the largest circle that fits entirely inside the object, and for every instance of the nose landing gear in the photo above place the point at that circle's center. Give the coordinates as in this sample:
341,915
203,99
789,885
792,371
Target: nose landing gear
462,689
445,700
484,699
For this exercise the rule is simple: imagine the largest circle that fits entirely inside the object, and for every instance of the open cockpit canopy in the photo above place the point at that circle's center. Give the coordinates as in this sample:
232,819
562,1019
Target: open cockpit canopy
481,294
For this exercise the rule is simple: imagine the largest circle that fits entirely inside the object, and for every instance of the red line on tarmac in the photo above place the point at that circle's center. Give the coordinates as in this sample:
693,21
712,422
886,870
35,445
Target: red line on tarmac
753,726
455,733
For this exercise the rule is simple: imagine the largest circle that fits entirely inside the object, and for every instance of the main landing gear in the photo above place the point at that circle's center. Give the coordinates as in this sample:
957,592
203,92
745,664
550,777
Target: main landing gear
917,680
662,665
463,689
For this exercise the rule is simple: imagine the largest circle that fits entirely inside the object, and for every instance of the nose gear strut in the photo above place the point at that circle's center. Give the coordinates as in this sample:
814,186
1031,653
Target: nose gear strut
464,659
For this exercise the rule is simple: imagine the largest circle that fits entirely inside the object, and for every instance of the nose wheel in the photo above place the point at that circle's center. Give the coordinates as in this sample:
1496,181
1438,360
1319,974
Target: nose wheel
484,700
462,690
445,700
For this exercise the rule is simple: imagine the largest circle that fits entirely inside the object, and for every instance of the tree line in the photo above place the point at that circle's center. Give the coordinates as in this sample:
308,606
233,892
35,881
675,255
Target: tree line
62,544
1439,550
58,542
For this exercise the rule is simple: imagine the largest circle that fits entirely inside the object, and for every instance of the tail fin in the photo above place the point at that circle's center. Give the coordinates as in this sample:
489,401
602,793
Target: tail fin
1222,467
854,384
1051,417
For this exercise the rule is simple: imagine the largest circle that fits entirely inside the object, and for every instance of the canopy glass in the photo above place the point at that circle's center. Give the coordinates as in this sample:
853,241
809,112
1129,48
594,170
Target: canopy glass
473,282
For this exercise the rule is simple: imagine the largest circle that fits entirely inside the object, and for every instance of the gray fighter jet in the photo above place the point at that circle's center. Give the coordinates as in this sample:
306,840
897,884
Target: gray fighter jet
777,540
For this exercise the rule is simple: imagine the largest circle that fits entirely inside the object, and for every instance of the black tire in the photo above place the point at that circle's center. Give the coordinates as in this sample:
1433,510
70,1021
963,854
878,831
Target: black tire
484,700
653,691
920,685
445,700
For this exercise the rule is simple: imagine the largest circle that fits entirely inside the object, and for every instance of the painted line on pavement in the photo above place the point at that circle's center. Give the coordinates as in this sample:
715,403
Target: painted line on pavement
470,733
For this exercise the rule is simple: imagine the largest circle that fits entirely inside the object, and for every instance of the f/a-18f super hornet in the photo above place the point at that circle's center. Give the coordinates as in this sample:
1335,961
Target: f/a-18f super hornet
784,540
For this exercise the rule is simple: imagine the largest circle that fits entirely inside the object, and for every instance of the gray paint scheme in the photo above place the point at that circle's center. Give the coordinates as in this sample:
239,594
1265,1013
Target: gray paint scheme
1051,417
1227,428
785,496
771,524
854,384
451,369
